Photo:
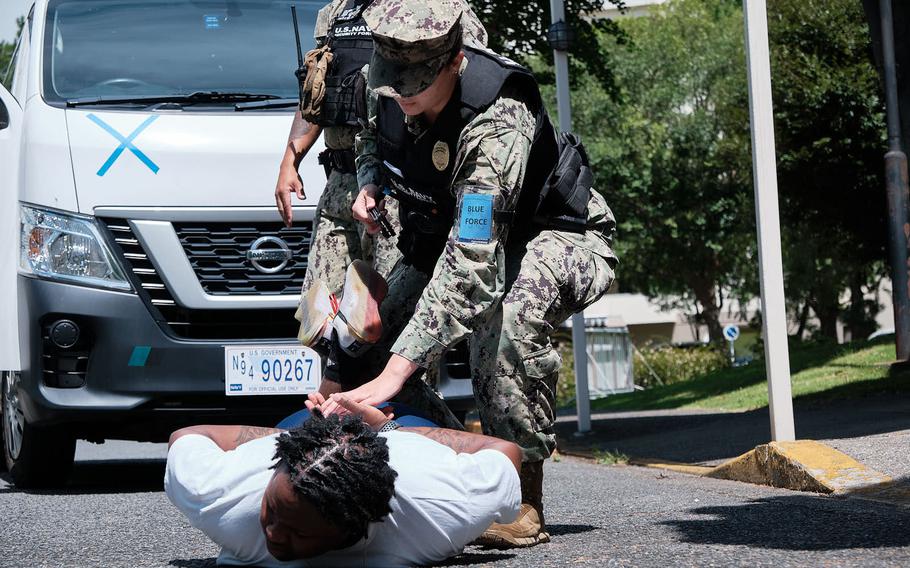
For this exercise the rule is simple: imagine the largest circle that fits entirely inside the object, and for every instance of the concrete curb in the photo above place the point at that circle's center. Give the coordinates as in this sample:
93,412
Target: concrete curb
803,465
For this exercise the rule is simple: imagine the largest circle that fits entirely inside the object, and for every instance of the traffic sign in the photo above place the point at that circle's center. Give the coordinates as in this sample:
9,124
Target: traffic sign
731,332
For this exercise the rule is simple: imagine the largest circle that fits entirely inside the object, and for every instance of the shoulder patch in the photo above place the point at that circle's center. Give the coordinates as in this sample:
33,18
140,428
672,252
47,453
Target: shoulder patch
475,219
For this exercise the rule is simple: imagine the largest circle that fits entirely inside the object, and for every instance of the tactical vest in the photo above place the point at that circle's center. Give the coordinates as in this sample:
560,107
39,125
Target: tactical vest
351,43
419,172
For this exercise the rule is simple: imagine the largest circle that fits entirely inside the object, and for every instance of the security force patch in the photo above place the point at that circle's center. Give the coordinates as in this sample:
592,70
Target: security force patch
475,220
441,155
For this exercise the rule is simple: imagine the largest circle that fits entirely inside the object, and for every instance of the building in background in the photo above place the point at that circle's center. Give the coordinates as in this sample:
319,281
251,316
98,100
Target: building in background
650,324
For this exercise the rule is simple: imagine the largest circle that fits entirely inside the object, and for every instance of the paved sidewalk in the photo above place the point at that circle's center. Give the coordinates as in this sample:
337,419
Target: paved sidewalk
873,430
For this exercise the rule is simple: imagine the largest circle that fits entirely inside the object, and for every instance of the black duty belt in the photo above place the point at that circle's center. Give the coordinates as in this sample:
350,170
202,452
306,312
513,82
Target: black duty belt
338,160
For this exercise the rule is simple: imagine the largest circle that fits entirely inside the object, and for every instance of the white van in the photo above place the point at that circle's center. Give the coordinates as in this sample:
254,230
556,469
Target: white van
142,254
146,280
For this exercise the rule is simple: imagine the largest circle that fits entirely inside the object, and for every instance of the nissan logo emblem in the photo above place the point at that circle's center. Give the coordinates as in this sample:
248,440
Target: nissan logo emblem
269,254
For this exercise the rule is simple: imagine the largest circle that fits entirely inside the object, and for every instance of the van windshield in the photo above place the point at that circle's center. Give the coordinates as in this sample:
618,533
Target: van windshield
147,48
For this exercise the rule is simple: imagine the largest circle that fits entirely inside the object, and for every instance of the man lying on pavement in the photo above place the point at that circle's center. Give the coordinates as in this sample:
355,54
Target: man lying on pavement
334,492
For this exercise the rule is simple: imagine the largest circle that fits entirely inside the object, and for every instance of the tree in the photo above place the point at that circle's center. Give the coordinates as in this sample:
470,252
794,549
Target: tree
672,154
666,153
518,29
829,125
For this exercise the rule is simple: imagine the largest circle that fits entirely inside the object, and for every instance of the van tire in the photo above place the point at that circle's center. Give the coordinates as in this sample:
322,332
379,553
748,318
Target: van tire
34,457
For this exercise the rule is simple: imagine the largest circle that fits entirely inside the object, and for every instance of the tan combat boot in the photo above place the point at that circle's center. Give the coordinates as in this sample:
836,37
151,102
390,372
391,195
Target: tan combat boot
529,528
358,324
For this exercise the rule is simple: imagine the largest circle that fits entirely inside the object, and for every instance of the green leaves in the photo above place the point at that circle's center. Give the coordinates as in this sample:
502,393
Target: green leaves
661,152
830,134
671,150
518,28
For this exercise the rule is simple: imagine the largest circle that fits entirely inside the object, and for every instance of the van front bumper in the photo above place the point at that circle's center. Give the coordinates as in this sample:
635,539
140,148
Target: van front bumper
126,376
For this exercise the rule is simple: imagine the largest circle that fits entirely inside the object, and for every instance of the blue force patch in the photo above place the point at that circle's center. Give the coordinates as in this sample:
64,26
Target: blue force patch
475,225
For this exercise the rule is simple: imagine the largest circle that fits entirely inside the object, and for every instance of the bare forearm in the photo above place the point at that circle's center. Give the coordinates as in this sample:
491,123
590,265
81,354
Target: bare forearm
301,138
469,443
227,437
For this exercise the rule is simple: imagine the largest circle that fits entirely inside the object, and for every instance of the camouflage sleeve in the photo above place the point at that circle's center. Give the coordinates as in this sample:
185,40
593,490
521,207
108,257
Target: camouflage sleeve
324,20
367,153
469,278
321,29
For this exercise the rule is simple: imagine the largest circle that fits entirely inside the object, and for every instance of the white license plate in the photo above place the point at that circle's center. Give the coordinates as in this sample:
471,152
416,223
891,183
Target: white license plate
270,369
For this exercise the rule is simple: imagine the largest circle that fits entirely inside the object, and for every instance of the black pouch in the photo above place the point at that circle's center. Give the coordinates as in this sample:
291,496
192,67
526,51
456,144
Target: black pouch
360,97
566,193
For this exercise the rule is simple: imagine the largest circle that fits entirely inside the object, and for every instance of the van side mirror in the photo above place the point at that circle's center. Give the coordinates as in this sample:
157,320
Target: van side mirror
4,116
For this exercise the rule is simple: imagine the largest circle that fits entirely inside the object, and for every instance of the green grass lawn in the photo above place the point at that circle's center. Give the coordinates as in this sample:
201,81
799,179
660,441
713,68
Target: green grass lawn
819,372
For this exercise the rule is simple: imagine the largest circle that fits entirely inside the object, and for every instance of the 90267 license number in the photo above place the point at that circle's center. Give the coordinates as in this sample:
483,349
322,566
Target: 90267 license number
264,370
278,369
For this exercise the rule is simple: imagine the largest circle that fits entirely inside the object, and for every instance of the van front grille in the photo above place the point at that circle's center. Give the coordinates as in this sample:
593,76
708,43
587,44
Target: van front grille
218,254
221,324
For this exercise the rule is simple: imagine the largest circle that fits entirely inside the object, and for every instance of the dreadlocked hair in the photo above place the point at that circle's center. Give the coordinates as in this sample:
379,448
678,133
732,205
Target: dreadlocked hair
341,467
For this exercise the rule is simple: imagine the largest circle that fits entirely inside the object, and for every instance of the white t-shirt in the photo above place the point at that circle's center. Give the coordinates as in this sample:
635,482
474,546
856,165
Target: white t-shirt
443,500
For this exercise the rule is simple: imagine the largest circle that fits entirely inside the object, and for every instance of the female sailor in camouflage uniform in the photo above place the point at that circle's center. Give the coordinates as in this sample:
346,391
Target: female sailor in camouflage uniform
498,242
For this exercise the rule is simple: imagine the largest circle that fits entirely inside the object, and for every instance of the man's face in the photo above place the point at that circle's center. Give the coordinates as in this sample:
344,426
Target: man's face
435,96
293,527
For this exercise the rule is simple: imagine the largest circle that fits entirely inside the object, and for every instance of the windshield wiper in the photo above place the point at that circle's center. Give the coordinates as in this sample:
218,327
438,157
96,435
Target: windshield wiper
191,98
267,104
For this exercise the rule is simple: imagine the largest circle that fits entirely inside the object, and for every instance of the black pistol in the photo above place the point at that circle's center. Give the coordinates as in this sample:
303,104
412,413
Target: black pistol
384,226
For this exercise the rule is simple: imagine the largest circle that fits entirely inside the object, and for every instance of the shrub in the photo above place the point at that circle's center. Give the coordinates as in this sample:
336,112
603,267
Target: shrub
565,388
666,365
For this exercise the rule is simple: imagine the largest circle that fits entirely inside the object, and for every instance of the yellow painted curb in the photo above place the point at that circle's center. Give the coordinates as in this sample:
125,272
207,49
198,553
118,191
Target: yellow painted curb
803,465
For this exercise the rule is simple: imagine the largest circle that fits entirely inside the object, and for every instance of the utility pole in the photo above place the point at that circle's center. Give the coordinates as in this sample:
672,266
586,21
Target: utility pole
564,110
896,191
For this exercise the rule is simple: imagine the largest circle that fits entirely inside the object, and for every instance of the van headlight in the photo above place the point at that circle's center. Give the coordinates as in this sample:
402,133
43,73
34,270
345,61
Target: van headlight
67,247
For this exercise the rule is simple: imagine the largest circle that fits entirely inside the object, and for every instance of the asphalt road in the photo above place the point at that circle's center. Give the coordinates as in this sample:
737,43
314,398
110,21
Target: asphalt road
114,513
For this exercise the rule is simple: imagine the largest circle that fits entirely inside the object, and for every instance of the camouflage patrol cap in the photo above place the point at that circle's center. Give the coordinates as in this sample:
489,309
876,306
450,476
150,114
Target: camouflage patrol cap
412,42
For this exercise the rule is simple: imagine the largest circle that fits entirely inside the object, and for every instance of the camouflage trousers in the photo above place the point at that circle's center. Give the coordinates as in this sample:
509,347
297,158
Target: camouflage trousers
514,365
338,239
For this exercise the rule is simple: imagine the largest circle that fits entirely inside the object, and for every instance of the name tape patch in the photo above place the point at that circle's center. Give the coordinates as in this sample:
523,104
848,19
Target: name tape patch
476,222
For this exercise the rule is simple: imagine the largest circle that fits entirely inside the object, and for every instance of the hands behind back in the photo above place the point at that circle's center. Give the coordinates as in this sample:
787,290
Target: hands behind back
360,401
341,404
